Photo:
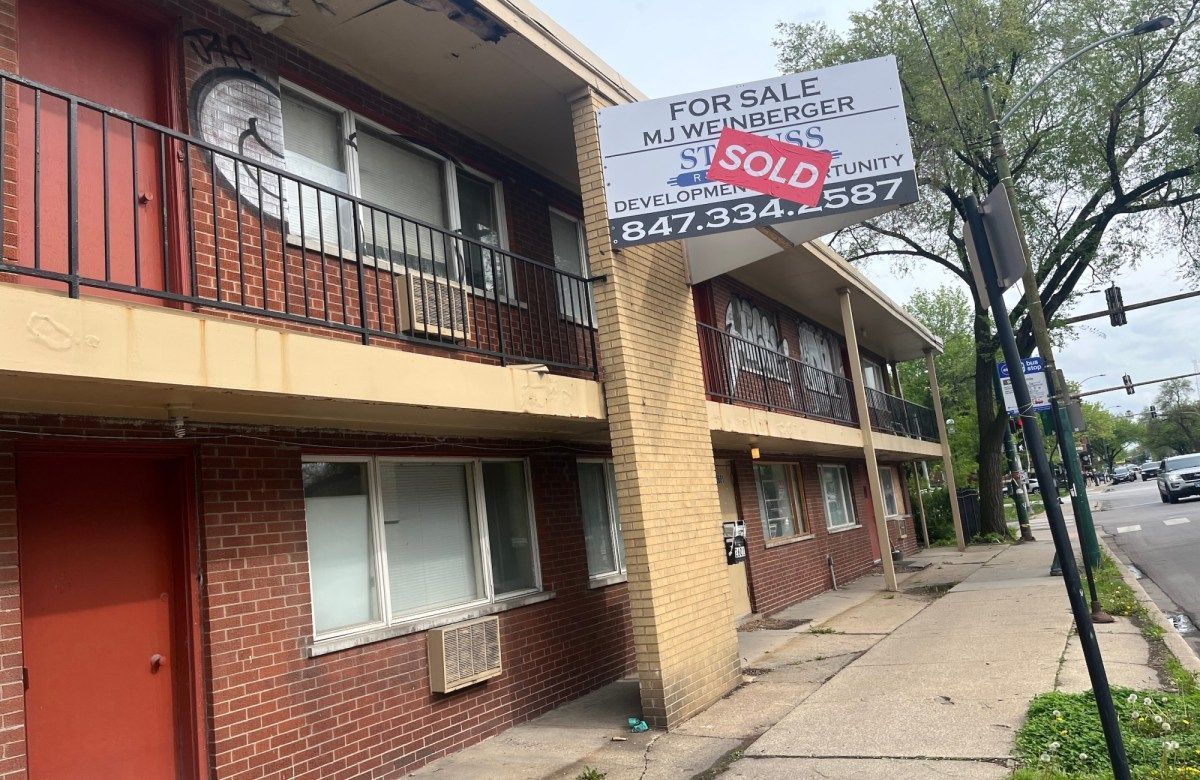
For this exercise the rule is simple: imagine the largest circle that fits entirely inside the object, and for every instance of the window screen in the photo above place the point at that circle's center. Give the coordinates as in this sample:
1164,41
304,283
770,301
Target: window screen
601,528
573,300
839,501
510,533
775,500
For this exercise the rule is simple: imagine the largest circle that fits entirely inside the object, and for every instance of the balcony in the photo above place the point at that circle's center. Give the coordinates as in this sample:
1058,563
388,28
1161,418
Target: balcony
100,204
738,371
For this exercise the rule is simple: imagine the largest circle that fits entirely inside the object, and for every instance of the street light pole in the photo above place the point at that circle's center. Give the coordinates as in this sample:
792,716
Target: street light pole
1033,301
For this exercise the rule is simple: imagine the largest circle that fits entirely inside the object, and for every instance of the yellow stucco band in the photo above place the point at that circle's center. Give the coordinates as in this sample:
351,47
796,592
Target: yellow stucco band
738,427
58,352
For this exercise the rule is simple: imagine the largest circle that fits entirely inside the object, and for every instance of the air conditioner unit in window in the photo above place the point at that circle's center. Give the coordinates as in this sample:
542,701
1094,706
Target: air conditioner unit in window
464,654
435,307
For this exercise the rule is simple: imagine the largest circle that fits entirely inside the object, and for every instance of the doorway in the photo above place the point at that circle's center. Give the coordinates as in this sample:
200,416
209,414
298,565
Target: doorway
739,586
105,607
98,53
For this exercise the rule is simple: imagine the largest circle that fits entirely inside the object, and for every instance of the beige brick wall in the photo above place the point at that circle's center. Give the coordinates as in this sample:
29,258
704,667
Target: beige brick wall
686,644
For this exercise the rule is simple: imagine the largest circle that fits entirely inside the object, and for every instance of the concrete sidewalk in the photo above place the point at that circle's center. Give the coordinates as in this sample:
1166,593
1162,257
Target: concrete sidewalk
930,682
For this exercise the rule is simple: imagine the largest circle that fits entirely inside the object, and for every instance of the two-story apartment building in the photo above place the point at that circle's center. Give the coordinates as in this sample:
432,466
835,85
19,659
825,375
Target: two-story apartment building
333,434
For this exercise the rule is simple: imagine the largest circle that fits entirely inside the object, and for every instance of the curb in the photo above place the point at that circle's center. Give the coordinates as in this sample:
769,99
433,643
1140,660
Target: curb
1175,643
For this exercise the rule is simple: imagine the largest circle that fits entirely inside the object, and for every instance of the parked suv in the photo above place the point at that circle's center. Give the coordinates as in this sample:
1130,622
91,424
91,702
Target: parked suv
1179,476
1124,474
1149,469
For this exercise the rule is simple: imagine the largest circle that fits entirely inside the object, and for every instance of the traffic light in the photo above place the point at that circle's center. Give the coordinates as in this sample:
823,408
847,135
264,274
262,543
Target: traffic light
1128,384
1116,306
1153,412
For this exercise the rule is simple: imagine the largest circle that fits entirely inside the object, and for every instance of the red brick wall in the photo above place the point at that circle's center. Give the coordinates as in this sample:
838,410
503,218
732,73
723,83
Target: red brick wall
783,574
258,268
367,711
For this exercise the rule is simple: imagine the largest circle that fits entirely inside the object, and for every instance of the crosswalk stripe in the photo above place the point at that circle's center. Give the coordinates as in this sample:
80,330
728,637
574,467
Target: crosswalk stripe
1176,521
1128,528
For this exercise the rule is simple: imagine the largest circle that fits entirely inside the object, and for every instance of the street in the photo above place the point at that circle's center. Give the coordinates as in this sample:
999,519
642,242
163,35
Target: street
1162,541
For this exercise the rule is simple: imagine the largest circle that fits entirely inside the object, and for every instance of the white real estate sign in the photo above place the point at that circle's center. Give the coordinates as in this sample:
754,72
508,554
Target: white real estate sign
1035,377
657,153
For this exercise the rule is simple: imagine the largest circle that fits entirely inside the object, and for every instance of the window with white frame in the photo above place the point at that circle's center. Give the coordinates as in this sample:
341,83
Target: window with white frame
890,483
390,540
329,144
570,255
601,523
778,500
838,497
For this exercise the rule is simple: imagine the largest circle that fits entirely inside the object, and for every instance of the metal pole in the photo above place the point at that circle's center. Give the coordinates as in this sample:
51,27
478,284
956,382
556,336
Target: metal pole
1135,384
1058,527
1020,498
1033,301
1131,307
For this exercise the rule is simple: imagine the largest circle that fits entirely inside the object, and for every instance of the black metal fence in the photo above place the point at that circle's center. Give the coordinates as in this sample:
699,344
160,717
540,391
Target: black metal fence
892,414
94,198
739,371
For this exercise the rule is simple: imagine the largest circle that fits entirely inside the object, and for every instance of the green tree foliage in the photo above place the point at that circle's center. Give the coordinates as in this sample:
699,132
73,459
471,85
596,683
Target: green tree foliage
1109,435
947,312
1176,430
1103,155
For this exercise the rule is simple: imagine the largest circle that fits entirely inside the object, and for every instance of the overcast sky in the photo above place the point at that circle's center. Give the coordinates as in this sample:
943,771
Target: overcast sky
711,43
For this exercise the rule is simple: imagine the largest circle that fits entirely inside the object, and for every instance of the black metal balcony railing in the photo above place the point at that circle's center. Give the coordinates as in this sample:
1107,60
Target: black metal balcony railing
892,414
740,371
94,198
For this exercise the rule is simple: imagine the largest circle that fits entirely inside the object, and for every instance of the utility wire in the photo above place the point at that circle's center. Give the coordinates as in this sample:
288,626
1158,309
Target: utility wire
937,69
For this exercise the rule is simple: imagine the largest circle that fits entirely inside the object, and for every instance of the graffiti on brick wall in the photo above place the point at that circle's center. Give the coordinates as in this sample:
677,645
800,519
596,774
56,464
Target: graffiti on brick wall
236,107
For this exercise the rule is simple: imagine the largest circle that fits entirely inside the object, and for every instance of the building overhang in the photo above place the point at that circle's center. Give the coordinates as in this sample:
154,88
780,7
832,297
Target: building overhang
101,357
509,91
808,278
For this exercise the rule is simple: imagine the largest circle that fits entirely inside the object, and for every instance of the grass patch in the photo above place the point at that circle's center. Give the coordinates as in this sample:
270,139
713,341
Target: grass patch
1061,737
823,630
1115,594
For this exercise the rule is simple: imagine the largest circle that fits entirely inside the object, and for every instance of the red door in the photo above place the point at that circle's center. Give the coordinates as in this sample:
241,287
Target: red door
99,594
98,54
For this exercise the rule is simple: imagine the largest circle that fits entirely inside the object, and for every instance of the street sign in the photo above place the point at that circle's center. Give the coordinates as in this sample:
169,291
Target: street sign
1035,377
658,154
1007,253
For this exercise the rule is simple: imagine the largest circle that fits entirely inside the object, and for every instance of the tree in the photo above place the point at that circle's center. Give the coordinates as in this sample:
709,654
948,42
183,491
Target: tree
1109,435
947,312
1177,428
1103,156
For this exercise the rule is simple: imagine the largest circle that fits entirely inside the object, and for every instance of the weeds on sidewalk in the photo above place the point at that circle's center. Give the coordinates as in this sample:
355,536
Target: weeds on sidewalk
1062,739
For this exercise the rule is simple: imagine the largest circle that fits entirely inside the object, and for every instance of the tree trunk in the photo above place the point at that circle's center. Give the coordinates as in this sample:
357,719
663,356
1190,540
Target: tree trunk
991,432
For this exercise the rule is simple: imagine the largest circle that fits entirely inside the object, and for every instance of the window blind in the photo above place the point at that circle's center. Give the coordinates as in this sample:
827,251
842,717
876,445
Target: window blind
569,256
314,149
432,549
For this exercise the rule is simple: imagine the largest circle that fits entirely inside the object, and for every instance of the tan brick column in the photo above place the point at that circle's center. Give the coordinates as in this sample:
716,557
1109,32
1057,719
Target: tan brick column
864,425
687,654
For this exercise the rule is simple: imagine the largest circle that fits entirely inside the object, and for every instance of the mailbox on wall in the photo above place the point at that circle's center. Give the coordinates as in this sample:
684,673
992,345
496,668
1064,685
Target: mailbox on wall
735,542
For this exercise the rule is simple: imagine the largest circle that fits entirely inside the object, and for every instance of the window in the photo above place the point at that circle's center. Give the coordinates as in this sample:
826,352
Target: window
777,502
890,482
601,523
570,256
390,540
348,153
839,499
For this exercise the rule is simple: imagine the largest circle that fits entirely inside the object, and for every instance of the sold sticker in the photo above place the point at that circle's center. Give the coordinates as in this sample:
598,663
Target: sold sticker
784,170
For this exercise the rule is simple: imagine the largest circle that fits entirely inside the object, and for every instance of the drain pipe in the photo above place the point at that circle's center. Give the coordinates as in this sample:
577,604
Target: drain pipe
832,573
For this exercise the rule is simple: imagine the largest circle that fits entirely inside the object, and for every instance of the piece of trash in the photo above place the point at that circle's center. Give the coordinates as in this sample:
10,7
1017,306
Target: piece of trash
620,739
637,725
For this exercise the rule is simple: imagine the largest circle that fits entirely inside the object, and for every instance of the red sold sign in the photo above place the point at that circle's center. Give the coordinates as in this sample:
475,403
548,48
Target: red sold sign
787,171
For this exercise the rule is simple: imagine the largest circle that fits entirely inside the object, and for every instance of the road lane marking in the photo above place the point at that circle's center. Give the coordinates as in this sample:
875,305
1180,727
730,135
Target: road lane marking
1128,528
1176,521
